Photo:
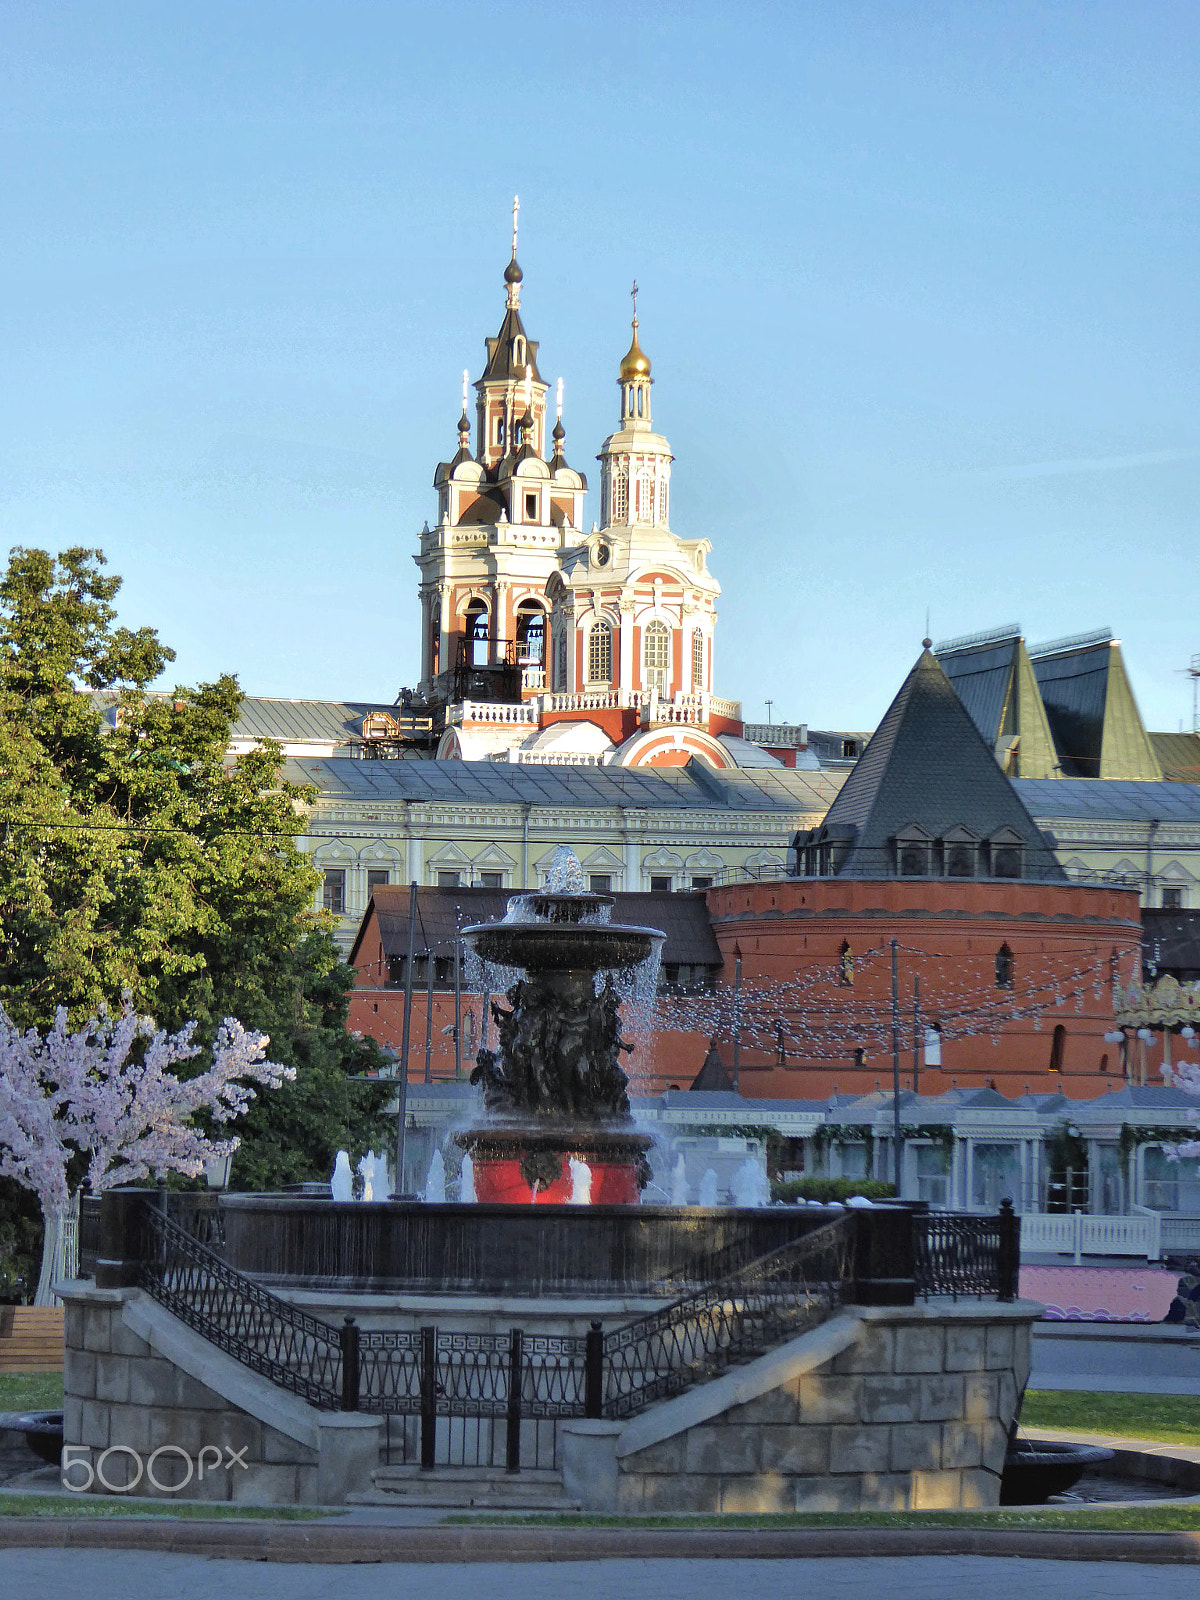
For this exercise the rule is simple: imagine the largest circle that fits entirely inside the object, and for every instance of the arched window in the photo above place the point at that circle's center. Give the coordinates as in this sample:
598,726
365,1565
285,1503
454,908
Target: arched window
620,497
600,653
477,632
645,497
639,400
1058,1047
1004,967
560,662
914,859
698,660
960,861
435,641
662,499
531,634
657,656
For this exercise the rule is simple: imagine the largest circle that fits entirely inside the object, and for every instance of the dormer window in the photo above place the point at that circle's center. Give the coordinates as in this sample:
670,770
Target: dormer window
519,351
1006,850
498,430
913,851
960,853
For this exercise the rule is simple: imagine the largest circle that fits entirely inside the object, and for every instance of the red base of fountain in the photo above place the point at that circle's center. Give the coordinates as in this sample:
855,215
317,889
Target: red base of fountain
532,1166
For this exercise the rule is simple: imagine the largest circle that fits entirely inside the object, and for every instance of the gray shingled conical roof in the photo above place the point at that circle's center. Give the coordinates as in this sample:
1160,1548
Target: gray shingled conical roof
927,772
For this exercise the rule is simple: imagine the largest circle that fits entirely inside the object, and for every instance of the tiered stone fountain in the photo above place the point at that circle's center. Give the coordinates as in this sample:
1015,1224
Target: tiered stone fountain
559,1126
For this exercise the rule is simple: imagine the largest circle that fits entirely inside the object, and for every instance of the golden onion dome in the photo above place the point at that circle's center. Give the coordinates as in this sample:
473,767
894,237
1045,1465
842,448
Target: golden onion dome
636,363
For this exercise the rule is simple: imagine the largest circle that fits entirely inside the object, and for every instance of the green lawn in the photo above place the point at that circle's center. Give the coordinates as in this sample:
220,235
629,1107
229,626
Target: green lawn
1171,1418
31,1391
99,1505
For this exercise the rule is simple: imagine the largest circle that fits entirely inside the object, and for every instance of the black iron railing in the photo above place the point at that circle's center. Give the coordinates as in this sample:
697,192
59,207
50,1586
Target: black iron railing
294,1350
462,1398
733,1320
958,1255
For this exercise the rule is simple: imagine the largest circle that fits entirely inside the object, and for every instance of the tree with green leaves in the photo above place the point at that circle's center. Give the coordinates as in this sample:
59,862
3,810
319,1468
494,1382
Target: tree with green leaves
138,858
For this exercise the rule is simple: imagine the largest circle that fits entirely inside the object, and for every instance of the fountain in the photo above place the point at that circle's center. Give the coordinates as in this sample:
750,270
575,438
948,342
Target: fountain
554,1090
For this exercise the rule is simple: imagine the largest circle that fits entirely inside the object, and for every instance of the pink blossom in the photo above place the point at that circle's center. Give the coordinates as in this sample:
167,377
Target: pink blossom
107,1093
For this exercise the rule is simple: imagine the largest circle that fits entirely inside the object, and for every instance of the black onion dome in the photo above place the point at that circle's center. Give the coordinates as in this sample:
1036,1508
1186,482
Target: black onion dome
513,273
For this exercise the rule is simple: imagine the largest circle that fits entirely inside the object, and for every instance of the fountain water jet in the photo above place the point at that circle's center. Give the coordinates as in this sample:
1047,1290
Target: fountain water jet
554,1090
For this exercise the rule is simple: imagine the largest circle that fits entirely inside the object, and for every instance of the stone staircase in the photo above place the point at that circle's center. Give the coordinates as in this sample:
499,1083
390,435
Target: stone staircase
465,1489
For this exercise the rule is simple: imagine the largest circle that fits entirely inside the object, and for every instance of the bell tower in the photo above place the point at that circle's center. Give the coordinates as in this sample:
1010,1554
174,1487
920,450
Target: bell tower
504,513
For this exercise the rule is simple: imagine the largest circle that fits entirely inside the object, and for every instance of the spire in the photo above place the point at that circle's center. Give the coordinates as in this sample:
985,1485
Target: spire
512,272
464,423
636,363
560,433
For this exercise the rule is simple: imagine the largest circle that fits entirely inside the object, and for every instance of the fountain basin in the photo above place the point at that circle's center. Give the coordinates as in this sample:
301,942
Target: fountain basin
1034,1469
523,1164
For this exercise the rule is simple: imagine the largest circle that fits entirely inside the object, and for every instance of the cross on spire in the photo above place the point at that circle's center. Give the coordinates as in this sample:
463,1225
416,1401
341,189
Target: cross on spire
516,210
633,294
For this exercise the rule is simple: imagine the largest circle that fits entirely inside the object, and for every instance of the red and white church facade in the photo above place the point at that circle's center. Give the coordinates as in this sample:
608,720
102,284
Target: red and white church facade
542,642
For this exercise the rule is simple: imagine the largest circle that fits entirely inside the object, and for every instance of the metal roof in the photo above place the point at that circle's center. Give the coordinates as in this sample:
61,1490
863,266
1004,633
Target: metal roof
441,912
1112,800
1097,729
290,720
1178,756
694,787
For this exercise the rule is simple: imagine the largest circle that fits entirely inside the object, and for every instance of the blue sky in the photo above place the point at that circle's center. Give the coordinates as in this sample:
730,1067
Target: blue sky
919,283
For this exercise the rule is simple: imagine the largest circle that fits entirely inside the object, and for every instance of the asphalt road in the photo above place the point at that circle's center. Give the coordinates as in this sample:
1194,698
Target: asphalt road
1117,1357
134,1575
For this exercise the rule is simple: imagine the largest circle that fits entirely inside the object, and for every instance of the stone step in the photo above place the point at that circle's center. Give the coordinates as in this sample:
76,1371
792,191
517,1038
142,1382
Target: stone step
538,1489
452,1500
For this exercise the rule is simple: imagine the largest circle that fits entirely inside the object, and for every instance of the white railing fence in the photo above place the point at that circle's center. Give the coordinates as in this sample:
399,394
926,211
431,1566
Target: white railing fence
1077,1234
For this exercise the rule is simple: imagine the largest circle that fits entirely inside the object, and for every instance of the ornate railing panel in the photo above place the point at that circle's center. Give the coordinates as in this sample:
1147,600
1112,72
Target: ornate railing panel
730,1321
293,1349
959,1255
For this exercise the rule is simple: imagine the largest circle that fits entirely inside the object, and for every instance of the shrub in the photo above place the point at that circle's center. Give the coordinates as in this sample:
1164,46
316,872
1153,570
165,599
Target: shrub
826,1189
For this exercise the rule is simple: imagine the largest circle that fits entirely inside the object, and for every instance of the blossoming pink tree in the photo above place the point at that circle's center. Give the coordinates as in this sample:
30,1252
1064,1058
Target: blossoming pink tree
1184,1075
106,1095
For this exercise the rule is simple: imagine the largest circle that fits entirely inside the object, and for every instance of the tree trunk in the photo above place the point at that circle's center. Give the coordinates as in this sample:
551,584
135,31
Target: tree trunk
60,1251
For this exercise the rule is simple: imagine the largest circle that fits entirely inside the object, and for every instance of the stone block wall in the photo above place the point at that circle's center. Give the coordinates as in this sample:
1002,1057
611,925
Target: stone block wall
118,1392
913,1414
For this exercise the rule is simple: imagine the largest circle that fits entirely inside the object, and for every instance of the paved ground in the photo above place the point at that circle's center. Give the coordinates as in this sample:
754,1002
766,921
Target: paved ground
118,1575
1120,1357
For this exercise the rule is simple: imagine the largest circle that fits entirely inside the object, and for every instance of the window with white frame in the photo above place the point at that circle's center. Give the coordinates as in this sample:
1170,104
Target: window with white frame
698,660
932,1177
645,497
333,891
657,656
600,653
620,497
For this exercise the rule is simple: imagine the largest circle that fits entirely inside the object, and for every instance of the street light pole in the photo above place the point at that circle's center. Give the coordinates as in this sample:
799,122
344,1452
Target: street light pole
402,1087
457,993
895,1070
737,1022
916,1034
